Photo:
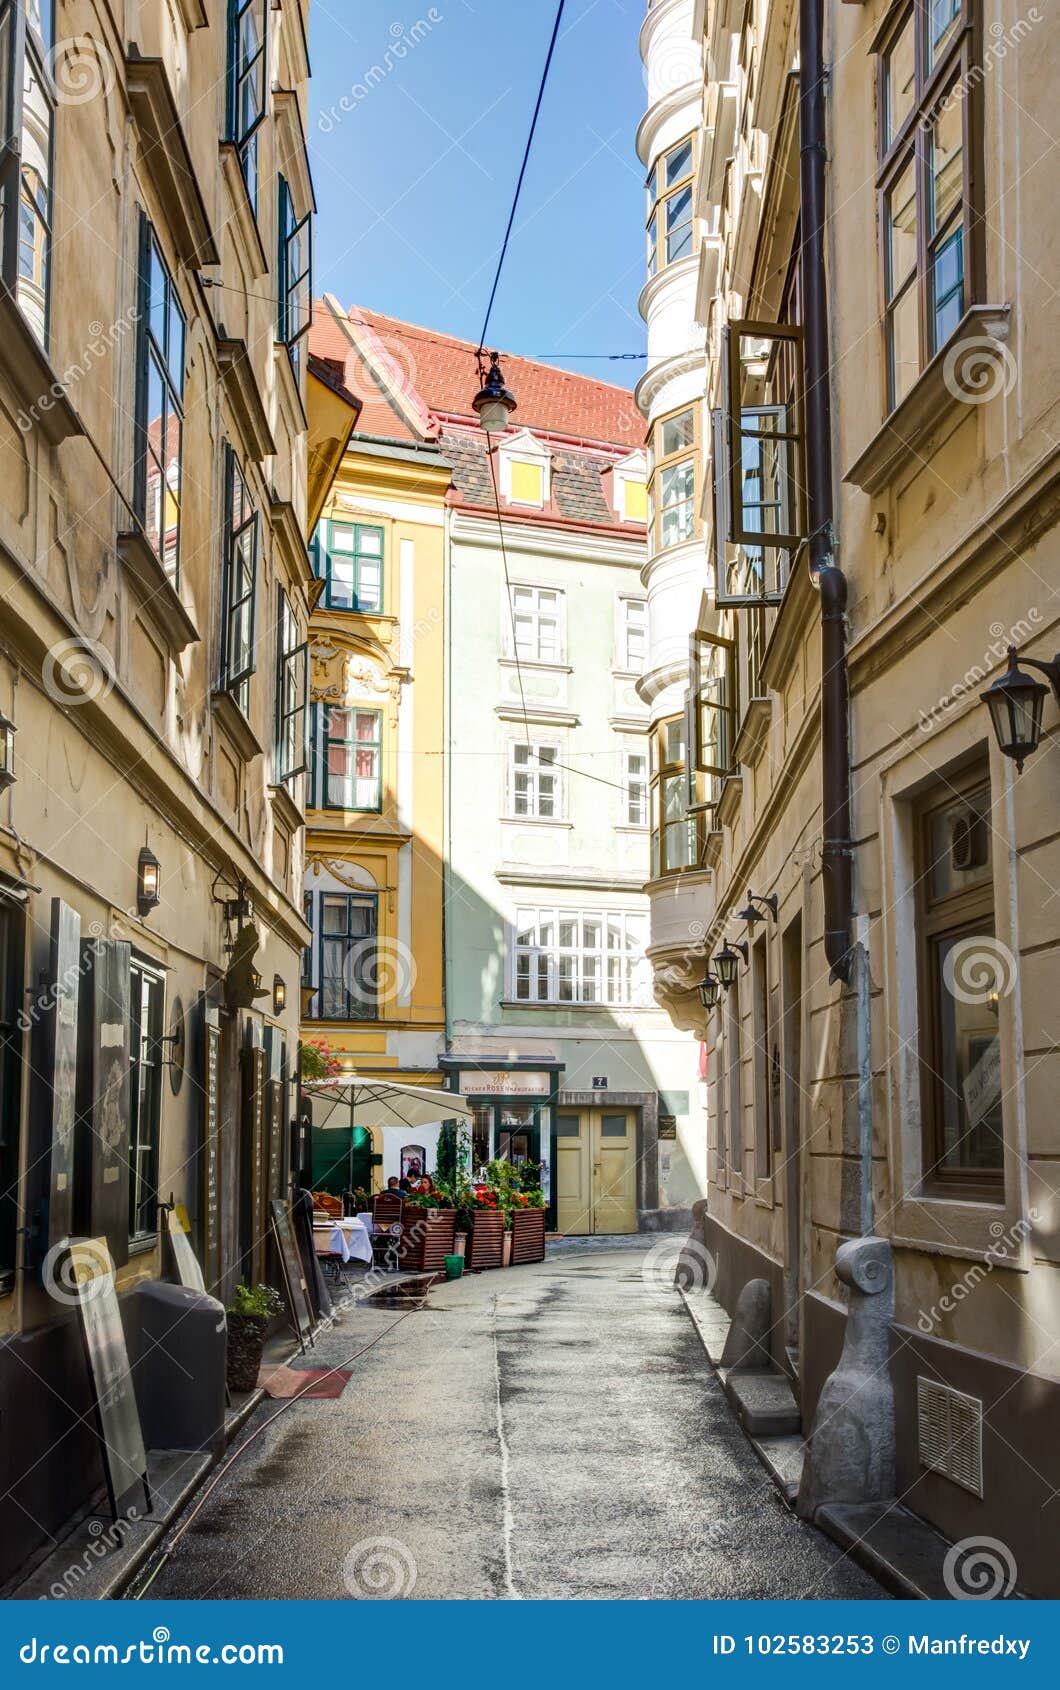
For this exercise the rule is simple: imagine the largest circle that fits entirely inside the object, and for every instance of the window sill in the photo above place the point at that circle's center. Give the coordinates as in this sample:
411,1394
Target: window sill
286,808
582,1008
536,821
642,828
245,219
730,800
286,380
753,733
194,14
168,159
236,725
933,396
27,366
536,663
159,599
712,849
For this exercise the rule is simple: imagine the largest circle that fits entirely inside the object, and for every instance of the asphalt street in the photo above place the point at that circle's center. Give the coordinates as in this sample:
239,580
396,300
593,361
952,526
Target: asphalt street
552,1431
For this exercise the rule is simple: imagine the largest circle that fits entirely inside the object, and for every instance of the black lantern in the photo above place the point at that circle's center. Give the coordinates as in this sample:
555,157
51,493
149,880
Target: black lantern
279,995
709,991
727,962
8,731
493,404
148,881
1016,701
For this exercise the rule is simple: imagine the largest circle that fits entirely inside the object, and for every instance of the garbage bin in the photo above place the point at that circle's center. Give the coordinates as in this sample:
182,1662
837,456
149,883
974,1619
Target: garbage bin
176,1339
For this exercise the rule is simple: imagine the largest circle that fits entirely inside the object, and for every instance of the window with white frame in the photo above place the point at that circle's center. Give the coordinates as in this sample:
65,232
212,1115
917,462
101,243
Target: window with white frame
635,781
632,635
576,956
535,787
536,624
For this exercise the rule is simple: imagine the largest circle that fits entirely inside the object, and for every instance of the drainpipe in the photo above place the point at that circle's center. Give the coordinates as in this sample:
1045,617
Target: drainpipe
837,849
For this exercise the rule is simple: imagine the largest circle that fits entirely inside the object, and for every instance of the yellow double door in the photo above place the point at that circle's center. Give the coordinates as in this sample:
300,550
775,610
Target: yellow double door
596,1170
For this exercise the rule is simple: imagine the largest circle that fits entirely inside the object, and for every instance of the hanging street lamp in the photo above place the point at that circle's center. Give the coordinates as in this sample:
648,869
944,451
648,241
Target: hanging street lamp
493,404
1016,701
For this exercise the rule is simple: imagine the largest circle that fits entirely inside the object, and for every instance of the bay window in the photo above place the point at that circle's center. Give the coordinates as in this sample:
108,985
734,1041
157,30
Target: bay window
710,716
348,557
677,833
576,956
674,478
927,93
27,104
159,404
247,85
669,187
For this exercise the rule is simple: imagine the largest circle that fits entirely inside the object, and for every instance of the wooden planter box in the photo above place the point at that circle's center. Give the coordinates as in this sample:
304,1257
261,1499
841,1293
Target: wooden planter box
528,1236
485,1241
427,1238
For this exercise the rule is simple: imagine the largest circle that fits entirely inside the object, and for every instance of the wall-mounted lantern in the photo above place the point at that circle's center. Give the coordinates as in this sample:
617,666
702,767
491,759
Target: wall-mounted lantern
751,914
279,995
1016,701
709,991
727,962
148,881
8,731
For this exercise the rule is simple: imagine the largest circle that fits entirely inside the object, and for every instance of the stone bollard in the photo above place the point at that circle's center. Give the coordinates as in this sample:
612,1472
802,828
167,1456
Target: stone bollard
850,1455
695,1265
747,1344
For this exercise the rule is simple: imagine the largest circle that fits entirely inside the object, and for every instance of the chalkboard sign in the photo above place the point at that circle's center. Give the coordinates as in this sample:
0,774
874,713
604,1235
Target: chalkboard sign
211,1144
293,1272
59,1065
118,1418
103,1092
189,1272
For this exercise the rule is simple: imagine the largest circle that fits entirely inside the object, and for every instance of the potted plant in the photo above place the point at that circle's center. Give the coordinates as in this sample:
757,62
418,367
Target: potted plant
318,1062
249,1314
520,1195
429,1229
485,1228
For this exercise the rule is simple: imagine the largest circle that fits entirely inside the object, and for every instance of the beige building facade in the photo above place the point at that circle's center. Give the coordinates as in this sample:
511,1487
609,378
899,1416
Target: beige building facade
913,1100
160,470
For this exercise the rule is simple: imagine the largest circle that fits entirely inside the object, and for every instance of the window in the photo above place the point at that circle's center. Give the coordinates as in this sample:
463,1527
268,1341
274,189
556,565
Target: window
962,970
159,404
633,499
633,635
348,557
575,956
710,715
669,188
636,788
534,782
12,927
345,934
242,539
926,93
292,693
295,273
527,484
759,517
673,479
537,624
247,64
677,834
146,997
27,99
348,761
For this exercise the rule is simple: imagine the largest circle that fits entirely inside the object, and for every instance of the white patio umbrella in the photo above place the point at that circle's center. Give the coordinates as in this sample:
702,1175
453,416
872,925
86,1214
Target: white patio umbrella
351,1100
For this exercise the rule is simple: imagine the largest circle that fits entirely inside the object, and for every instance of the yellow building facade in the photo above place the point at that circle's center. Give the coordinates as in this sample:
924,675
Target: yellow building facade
372,986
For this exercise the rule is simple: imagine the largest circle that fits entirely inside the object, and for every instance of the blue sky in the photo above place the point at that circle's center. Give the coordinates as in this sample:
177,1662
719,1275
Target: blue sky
414,179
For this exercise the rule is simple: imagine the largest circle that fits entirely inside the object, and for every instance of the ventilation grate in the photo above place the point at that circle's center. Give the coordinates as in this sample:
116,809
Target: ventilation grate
950,1427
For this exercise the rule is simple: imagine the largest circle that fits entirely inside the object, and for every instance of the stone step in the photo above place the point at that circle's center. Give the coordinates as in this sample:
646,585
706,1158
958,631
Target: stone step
783,1460
906,1554
764,1403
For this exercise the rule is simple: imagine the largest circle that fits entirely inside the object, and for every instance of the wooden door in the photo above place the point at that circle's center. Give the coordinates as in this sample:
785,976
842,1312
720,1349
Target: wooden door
614,1140
573,1172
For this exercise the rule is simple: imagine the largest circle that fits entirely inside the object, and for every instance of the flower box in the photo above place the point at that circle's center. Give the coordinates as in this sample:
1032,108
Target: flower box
245,1348
427,1238
528,1235
485,1241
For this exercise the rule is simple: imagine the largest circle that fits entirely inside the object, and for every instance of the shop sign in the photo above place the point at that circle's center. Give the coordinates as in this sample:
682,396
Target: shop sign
499,1082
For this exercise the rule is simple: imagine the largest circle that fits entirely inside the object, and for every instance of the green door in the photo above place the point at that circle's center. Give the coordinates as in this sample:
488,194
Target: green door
337,1166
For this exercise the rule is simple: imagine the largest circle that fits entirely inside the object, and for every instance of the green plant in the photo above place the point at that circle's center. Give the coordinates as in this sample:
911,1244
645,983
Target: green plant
257,1302
318,1063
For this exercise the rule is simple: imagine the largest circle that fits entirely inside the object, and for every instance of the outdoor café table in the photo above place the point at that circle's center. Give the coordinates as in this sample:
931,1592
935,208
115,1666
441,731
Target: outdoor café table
350,1240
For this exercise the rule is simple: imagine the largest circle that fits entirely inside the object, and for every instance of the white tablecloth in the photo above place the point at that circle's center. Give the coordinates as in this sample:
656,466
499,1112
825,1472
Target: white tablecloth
351,1241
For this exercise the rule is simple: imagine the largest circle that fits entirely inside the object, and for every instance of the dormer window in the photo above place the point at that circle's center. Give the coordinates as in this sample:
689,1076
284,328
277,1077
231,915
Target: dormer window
524,471
630,480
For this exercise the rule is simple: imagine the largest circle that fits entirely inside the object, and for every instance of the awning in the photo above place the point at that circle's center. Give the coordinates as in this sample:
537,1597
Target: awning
352,1101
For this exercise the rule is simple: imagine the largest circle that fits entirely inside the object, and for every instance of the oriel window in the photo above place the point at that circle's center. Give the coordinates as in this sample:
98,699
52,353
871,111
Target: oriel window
669,187
348,556
348,758
674,479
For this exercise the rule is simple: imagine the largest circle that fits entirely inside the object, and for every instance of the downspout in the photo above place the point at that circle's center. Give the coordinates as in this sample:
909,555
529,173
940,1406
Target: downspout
837,848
